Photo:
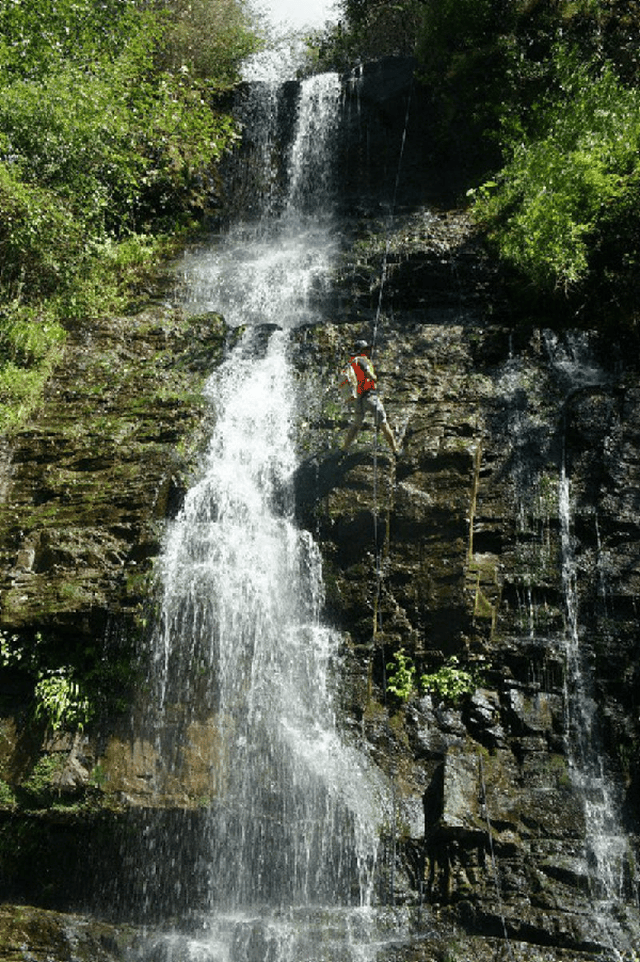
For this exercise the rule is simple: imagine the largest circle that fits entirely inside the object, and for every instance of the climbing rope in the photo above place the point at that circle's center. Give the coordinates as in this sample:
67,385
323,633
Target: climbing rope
380,543
377,616
494,864
394,201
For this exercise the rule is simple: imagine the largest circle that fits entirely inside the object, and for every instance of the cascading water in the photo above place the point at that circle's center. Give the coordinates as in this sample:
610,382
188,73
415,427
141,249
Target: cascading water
556,618
274,268
608,851
288,850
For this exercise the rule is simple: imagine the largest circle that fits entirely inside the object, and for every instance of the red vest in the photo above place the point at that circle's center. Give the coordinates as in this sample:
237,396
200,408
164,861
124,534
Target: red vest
365,383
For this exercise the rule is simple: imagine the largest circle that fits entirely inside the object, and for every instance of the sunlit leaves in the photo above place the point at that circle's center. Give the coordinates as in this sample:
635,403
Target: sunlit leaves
560,181
98,137
38,34
61,702
208,39
109,138
40,240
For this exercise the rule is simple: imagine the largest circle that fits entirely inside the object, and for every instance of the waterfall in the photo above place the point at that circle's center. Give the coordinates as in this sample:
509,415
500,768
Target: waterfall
561,578
273,268
608,852
244,672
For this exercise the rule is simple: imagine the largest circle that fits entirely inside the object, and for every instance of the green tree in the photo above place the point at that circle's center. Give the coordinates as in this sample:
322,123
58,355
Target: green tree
209,39
111,128
554,198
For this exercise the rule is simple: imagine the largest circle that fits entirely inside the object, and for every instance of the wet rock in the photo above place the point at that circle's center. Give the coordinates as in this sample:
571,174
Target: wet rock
484,715
473,567
492,411
36,935
460,793
95,473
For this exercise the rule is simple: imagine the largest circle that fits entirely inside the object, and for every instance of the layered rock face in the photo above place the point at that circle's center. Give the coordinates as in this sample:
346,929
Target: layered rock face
500,538
504,537
79,516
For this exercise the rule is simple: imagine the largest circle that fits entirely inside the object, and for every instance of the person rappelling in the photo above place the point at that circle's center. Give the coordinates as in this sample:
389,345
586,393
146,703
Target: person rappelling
360,379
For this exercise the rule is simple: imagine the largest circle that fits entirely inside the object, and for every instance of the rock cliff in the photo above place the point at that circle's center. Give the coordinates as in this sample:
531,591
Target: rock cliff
485,583
491,541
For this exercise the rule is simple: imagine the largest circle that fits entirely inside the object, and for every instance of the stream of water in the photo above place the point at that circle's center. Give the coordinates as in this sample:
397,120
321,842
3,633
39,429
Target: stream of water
607,851
540,469
293,812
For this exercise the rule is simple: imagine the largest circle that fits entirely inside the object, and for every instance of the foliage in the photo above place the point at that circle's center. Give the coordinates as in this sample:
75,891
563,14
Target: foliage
111,128
449,682
451,26
208,40
68,697
542,100
61,702
59,698
401,675
107,159
14,654
554,194
7,796
39,786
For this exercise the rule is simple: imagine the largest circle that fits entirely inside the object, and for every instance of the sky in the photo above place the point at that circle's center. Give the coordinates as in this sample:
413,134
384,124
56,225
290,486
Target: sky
299,13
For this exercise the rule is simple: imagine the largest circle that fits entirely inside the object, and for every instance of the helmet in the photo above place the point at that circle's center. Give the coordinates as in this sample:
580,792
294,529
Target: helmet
360,346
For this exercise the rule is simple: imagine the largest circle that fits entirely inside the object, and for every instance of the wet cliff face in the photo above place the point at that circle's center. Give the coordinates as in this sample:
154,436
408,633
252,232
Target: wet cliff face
504,536
87,486
79,516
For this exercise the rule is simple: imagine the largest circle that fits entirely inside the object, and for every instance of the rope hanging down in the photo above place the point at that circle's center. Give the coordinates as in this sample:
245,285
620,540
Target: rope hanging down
378,547
394,201
378,543
494,864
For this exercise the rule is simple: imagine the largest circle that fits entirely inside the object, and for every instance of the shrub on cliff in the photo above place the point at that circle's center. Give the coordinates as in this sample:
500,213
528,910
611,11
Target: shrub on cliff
123,143
111,127
209,39
544,97
551,204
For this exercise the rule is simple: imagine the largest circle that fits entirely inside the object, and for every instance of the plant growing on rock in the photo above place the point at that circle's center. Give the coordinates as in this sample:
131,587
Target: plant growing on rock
449,682
60,700
39,789
401,676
